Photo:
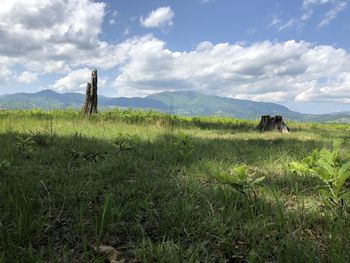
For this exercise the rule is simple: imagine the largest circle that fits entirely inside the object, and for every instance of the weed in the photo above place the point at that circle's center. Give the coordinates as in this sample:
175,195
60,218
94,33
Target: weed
24,145
126,143
40,139
239,180
159,188
85,156
184,146
333,170
4,164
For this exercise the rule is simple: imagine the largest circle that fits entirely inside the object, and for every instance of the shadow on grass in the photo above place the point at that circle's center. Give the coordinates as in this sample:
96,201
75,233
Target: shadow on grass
153,200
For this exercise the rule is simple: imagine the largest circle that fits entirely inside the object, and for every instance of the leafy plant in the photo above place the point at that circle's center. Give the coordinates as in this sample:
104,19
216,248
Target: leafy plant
332,169
239,179
126,143
85,156
24,145
184,146
40,139
4,164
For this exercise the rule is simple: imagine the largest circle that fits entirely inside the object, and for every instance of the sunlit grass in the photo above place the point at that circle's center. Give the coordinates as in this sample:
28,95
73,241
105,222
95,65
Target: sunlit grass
130,180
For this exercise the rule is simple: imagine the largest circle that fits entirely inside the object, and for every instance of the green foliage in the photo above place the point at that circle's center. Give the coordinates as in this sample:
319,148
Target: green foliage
39,138
184,146
4,164
121,179
333,170
126,143
85,156
239,179
24,145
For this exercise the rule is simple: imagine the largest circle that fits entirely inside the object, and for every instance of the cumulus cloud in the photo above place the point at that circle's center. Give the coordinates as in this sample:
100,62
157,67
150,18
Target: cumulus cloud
163,16
27,77
285,71
5,73
41,40
76,81
33,31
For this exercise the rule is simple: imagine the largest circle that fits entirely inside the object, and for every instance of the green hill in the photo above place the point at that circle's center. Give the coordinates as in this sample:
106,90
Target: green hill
185,103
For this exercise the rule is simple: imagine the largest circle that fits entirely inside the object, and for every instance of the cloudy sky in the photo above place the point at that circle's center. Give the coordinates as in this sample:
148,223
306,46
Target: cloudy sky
294,52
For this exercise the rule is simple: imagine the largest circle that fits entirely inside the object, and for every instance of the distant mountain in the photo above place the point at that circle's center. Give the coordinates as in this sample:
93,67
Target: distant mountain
182,102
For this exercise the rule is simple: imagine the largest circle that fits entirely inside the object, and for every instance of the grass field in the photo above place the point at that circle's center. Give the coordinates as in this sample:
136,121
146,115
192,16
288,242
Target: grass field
147,184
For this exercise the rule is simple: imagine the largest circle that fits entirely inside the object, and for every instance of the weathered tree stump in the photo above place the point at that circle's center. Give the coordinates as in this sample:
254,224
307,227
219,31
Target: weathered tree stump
90,103
265,123
280,125
94,91
87,102
268,123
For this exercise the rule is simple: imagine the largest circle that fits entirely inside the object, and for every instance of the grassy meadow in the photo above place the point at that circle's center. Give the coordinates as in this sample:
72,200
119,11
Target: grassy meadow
147,184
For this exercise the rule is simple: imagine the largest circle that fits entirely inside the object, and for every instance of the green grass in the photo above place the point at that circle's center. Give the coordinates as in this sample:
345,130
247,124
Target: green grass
146,184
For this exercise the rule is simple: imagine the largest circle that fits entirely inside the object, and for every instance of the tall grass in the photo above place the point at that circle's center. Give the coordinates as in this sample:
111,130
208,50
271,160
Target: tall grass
147,184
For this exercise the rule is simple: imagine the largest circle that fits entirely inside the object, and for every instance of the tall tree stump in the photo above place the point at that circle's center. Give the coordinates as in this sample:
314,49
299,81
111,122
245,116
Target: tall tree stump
87,102
90,103
268,123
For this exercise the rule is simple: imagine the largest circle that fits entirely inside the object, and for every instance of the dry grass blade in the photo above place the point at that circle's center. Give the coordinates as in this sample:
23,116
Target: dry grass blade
110,252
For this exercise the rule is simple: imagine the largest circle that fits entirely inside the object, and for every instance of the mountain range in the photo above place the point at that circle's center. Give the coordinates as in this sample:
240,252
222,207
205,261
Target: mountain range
186,103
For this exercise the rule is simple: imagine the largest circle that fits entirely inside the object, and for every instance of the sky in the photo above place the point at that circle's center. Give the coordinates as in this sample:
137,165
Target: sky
292,52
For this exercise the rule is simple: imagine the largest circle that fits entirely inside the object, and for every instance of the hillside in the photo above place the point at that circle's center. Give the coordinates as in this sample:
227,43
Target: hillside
185,103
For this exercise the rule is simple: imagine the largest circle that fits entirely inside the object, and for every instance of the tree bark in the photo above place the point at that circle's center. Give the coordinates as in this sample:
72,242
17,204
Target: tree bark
90,103
280,125
94,91
265,123
268,123
87,102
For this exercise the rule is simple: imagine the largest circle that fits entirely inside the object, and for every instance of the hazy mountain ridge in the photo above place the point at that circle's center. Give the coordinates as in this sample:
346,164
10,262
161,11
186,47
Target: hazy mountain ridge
183,103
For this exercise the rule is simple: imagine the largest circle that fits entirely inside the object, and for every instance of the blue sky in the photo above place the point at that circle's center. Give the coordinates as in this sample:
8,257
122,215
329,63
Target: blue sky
296,52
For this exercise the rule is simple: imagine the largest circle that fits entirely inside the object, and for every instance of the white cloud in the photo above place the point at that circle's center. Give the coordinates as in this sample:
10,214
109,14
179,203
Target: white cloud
308,7
113,20
307,15
282,25
76,81
333,13
266,71
309,3
34,32
37,37
289,24
27,77
34,35
275,21
251,31
335,7
6,73
206,1
160,17
126,31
